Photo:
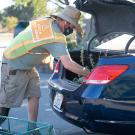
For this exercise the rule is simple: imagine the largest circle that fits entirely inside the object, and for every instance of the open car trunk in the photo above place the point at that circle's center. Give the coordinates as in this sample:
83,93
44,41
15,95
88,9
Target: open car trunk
114,32
90,60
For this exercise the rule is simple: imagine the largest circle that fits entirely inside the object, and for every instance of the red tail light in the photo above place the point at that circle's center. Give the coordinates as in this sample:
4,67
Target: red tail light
105,74
57,67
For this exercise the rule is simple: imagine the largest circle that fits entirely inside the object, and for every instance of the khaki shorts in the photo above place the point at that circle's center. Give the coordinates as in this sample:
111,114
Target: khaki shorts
17,85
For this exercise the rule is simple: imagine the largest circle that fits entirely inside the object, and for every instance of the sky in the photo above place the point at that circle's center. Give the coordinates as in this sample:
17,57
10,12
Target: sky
5,3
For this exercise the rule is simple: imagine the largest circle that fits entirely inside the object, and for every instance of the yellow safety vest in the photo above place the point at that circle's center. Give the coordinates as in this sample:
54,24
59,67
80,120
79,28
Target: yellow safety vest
38,33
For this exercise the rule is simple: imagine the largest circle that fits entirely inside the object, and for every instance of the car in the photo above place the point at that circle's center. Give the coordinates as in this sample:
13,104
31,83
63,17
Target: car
104,100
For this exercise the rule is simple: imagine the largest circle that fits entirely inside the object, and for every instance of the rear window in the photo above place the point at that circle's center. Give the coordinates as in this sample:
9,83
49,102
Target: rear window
116,42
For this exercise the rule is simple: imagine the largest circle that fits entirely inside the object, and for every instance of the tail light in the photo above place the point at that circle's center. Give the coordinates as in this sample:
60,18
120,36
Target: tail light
57,67
105,74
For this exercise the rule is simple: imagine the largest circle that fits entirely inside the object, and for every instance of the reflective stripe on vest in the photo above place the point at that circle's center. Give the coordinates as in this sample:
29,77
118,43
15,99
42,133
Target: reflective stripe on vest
23,43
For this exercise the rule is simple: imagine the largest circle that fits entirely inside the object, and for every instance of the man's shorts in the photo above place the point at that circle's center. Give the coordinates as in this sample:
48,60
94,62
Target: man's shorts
17,85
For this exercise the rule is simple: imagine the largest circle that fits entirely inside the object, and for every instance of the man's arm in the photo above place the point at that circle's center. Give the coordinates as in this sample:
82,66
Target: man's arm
73,66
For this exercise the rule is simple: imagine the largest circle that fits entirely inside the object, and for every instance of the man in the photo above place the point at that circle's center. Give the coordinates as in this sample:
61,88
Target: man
40,39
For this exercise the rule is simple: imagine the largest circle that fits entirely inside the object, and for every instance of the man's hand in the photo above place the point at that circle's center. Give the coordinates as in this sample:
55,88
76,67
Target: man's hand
73,66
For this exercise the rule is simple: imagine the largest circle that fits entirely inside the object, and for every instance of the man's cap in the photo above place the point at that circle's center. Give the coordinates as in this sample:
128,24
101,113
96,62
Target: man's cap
71,15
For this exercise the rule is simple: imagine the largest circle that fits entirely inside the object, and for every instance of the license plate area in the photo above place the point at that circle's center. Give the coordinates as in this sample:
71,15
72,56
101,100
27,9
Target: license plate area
57,103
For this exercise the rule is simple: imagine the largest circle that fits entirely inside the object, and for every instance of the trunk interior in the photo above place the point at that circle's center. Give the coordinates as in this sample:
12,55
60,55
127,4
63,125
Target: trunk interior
88,60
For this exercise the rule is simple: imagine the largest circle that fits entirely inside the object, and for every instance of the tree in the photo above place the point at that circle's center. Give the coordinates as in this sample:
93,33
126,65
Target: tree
20,11
39,6
0,16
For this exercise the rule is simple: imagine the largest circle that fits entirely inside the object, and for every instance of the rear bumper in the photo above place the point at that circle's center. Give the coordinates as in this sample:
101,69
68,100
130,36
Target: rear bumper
97,115
71,110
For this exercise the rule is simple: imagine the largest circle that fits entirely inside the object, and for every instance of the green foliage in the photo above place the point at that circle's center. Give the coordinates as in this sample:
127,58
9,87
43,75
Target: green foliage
0,16
3,21
38,5
71,43
20,11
